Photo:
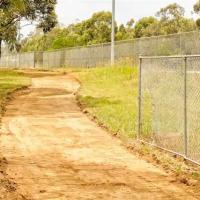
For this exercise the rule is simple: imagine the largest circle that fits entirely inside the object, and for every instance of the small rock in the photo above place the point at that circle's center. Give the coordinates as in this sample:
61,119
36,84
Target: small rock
42,191
185,181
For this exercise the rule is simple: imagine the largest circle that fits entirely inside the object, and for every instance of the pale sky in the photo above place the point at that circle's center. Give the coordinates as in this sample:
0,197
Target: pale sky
70,11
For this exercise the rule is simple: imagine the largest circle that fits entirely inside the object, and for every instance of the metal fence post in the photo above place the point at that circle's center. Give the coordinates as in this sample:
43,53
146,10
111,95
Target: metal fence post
102,55
185,108
139,97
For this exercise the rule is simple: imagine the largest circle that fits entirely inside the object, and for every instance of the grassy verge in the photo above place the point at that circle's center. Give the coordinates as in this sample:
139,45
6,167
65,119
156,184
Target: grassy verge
110,94
9,82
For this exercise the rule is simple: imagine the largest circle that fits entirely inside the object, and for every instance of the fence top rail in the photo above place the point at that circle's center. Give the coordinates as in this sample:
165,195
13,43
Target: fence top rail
173,56
116,42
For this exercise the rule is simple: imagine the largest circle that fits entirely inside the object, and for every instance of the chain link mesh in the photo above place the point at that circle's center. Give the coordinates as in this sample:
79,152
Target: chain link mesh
193,107
95,55
170,104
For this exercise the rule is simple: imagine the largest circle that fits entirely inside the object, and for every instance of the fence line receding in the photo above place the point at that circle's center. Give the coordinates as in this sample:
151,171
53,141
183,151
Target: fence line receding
96,55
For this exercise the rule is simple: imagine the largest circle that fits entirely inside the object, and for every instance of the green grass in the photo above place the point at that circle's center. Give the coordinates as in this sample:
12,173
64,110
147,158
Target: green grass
9,82
110,94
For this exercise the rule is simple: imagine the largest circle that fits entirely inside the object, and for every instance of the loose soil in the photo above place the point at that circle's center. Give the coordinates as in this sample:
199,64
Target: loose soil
51,150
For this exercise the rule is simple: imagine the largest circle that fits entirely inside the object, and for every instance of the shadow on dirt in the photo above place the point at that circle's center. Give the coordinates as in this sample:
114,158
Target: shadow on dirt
8,188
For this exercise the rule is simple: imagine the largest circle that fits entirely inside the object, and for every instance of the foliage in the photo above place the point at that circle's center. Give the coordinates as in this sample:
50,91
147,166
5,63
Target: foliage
197,7
172,20
198,23
110,93
126,32
13,11
10,81
142,27
97,29
169,20
197,11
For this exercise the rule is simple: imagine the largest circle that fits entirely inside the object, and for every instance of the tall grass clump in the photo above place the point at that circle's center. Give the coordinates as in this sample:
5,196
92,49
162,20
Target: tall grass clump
110,94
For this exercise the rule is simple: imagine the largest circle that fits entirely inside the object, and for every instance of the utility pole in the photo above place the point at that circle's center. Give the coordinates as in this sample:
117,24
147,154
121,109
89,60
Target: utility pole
113,34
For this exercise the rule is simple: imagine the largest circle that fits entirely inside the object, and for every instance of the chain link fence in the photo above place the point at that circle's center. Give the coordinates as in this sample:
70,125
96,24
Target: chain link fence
98,55
169,92
169,104
21,60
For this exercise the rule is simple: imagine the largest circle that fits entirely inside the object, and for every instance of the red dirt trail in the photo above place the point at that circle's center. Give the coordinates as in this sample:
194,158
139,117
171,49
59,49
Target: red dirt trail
53,151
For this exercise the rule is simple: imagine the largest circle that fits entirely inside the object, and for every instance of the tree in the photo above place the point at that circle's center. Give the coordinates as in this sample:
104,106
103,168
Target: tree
94,30
97,29
121,33
130,23
13,11
142,25
197,7
197,11
171,12
48,22
172,20
130,33
198,23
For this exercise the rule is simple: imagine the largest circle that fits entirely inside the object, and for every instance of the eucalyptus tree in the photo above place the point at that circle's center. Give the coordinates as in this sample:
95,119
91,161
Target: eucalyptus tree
172,19
197,11
13,11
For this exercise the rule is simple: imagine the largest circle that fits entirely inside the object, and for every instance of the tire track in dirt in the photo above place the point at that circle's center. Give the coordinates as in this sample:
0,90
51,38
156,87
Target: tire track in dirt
53,151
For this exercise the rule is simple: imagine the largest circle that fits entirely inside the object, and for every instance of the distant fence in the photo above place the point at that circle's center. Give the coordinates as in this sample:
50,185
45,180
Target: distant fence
169,104
95,55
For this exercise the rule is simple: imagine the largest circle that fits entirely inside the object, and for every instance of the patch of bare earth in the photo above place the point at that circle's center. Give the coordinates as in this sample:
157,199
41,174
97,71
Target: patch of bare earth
53,151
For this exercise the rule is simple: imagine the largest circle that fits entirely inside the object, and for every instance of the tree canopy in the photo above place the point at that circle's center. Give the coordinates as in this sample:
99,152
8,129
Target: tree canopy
197,11
13,11
97,29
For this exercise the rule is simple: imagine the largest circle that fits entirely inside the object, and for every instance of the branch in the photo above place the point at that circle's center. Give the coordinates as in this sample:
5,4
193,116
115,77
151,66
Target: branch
9,24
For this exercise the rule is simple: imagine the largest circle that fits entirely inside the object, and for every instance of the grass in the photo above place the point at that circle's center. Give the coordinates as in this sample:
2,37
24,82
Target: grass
9,82
110,94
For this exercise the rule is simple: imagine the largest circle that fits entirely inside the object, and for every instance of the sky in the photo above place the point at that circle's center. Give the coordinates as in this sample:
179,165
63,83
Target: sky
70,11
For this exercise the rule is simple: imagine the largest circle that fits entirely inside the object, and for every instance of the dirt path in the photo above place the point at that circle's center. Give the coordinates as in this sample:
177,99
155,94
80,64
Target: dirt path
53,151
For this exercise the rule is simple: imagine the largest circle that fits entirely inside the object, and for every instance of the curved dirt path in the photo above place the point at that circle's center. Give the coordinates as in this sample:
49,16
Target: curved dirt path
54,151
